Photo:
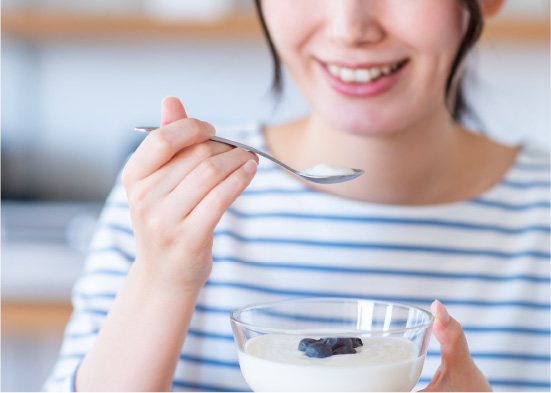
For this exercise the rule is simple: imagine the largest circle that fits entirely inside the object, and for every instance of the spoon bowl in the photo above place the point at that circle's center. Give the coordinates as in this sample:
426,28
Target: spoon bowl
340,175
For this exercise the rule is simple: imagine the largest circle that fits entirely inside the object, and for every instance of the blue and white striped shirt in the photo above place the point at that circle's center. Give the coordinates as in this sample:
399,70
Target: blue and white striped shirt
487,259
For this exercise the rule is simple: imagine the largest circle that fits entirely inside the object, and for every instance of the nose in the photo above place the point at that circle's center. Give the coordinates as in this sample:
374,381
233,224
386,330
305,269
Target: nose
354,22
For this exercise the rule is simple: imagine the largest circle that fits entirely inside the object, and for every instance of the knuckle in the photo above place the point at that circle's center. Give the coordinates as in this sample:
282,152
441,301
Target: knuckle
207,169
194,126
161,140
138,204
241,183
203,150
218,202
126,177
159,232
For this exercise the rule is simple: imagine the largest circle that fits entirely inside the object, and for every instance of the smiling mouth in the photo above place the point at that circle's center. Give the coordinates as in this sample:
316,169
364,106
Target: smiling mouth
363,75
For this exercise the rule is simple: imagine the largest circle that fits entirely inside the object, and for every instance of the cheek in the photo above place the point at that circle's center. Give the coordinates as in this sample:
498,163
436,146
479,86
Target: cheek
432,31
289,29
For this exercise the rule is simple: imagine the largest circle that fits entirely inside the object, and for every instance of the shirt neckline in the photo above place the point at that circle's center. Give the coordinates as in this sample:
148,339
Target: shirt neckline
522,151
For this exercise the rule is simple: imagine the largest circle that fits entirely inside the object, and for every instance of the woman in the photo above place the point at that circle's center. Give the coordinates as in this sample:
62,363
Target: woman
441,212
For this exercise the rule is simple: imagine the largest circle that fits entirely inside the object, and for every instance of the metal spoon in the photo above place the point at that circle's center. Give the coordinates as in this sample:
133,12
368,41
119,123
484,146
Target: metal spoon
322,179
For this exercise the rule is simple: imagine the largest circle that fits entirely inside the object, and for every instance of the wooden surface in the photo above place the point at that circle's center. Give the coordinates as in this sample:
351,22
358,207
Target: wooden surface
54,26
29,317
45,26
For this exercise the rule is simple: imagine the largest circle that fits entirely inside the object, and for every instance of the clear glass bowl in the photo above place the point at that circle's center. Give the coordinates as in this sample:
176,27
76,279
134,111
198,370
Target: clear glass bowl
395,339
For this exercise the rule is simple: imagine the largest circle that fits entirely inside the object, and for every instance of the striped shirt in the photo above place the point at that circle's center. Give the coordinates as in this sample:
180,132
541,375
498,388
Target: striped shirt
487,259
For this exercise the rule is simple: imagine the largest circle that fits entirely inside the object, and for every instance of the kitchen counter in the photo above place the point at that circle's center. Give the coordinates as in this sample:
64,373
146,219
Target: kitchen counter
43,250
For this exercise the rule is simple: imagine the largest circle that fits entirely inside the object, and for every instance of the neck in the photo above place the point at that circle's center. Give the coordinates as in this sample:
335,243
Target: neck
409,167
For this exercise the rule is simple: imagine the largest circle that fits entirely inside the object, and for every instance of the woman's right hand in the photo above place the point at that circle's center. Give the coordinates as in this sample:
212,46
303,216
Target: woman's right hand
178,185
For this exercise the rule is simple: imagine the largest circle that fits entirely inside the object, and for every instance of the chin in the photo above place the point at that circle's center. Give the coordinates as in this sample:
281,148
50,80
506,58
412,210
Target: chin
364,125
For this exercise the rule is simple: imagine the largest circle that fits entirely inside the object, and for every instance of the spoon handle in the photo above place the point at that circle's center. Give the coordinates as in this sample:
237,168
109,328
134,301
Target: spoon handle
236,144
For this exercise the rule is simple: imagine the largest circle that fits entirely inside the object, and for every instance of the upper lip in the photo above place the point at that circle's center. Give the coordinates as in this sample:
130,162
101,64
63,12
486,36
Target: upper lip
354,65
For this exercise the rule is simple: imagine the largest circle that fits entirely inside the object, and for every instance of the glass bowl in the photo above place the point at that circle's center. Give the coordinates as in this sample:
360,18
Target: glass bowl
394,344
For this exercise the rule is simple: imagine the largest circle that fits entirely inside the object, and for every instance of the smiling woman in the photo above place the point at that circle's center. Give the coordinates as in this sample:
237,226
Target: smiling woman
196,228
473,31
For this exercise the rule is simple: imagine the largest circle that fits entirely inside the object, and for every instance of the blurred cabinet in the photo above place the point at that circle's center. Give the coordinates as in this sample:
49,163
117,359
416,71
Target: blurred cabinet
46,26
520,20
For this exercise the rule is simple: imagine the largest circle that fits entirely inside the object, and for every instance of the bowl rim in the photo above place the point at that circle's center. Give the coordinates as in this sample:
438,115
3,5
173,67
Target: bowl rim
238,310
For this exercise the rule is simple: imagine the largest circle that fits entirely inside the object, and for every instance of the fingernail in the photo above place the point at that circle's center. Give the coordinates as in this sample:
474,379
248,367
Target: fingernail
210,129
250,167
255,157
440,312
167,97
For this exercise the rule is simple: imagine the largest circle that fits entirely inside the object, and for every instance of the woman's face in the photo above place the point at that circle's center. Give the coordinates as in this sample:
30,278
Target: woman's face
368,67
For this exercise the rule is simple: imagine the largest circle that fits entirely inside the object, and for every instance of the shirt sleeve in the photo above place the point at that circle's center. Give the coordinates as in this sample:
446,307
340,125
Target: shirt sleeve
111,254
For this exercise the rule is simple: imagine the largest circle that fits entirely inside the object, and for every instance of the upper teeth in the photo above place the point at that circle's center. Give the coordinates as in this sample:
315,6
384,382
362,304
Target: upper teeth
361,75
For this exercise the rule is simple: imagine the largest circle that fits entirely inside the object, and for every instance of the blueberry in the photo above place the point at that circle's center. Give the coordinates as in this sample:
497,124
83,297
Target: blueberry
343,350
305,342
335,342
318,350
357,342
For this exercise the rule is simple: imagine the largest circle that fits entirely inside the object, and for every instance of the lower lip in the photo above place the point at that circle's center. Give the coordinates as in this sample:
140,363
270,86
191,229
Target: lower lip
369,89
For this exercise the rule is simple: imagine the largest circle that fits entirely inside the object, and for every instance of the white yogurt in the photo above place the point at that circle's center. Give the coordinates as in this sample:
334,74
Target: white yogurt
272,362
324,170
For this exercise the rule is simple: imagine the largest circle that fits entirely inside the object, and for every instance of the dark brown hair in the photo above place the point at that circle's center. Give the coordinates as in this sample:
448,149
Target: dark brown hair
474,30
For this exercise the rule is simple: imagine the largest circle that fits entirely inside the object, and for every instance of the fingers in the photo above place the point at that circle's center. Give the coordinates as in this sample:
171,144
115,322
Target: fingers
204,178
167,178
457,371
172,110
449,333
162,144
211,208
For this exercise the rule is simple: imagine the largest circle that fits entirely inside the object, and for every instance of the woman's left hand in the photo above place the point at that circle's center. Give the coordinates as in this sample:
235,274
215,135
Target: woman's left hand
457,371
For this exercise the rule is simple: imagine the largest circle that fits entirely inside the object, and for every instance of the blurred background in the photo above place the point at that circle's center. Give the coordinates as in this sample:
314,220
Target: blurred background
77,76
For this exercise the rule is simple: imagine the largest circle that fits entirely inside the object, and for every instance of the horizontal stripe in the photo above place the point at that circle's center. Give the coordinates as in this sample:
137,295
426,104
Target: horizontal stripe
280,191
114,249
509,382
68,356
191,331
118,228
386,247
117,205
175,383
511,206
503,356
209,361
346,270
94,311
518,330
392,221
532,167
299,293
407,300
476,201
474,355
104,272
206,387
230,364
75,336
218,310
371,271
216,336
534,184
269,169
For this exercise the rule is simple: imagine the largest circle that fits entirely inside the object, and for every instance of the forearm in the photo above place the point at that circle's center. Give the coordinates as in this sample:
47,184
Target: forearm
139,345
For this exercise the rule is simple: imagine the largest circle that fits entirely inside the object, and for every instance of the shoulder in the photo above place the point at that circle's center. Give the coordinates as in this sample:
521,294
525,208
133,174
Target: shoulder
535,156
528,181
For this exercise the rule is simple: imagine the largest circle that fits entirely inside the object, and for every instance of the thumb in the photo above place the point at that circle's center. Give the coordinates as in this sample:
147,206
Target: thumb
449,333
172,110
